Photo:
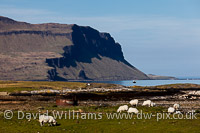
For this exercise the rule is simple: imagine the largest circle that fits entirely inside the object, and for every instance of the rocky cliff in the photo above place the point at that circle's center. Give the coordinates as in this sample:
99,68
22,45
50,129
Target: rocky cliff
54,51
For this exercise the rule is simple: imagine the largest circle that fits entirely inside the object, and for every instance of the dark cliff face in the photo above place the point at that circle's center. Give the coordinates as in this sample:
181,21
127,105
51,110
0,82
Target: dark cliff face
91,43
62,52
88,44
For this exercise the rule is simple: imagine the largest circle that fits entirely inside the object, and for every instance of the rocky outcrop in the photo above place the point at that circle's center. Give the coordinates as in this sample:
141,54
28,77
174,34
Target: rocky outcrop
60,52
157,77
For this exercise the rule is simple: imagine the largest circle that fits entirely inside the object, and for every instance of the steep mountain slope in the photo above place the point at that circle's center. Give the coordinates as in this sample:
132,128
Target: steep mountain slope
60,52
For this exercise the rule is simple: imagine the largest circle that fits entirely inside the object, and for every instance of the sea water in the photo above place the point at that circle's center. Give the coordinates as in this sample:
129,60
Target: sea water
148,82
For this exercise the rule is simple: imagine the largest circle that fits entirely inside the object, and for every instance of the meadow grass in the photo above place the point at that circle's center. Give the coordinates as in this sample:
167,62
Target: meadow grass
101,125
89,125
16,86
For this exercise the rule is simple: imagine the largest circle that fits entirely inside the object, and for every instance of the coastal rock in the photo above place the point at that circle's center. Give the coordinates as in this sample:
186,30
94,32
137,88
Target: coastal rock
158,77
60,52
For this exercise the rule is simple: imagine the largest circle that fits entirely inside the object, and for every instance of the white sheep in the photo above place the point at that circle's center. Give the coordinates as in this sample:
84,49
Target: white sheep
148,103
122,108
171,110
47,119
176,106
132,110
134,102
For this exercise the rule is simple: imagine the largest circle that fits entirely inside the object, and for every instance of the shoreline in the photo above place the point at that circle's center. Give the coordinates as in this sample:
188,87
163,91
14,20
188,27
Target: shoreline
34,93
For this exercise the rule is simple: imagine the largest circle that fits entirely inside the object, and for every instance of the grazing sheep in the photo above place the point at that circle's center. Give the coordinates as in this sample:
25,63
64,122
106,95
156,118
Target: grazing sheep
126,107
176,106
47,119
148,103
171,110
122,108
134,102
132,110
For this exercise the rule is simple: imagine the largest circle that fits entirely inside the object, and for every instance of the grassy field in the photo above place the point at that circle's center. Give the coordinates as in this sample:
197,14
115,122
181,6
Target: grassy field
16,86
91,125
102,125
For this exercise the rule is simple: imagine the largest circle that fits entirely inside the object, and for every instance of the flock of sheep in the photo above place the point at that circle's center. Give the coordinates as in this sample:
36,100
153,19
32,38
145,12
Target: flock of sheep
149,103
51,121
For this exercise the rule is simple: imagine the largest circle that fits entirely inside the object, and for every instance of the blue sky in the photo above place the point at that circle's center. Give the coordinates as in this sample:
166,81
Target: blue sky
157,36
